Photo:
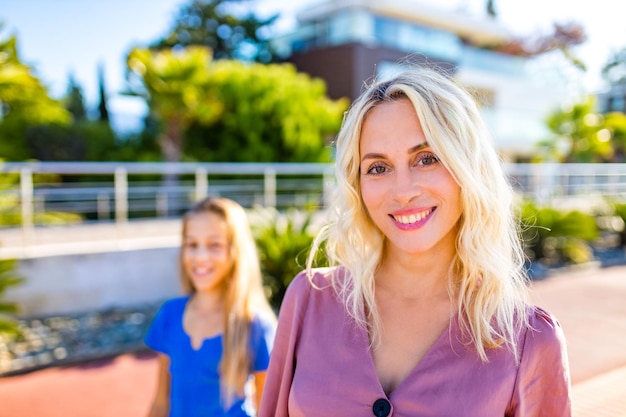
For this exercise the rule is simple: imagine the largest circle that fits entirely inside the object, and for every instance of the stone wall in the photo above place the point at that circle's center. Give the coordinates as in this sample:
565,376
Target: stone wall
95,281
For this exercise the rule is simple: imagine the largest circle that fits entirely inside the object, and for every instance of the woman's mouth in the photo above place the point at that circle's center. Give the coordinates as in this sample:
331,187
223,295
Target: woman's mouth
413,218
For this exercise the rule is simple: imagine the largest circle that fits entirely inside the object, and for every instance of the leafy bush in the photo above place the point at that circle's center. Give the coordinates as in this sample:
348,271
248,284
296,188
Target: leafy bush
283,240
620,211
557,238
8,278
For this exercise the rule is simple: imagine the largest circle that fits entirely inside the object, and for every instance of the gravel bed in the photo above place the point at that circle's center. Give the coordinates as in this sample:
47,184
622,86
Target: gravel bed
74,338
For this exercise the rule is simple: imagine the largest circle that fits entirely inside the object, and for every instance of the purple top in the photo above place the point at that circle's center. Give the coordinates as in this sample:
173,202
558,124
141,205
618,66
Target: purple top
321,366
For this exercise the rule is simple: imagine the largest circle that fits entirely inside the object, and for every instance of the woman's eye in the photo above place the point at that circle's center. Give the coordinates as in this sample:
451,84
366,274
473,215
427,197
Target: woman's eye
427,159
377,169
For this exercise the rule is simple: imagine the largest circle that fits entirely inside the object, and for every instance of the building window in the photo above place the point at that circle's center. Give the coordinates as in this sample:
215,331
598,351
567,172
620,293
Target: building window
413,38
351,26
618,103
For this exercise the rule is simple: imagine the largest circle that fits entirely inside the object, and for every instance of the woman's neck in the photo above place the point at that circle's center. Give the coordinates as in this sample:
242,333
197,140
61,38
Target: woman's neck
414,276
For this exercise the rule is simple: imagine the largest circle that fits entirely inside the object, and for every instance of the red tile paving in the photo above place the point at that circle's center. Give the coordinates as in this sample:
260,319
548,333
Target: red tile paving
590,304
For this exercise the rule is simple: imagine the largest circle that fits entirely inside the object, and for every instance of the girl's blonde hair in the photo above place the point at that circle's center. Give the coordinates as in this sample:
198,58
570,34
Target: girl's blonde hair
487,276
243,292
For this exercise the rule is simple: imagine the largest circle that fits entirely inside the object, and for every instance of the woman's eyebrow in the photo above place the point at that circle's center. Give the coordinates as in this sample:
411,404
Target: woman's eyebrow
372,155
418,147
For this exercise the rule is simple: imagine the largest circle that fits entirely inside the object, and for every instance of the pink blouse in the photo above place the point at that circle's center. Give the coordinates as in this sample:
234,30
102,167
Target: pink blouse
321,366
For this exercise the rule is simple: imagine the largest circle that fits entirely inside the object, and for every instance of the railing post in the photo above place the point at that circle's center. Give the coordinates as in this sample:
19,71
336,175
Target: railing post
121,195
269,195
26,199
202,184
613,180
162,204
103,206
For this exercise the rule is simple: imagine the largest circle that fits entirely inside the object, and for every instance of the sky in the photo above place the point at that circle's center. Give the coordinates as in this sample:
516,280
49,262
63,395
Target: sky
62,37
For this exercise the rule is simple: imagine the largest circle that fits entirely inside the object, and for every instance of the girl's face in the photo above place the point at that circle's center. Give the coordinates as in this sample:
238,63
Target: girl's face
407,192
206,251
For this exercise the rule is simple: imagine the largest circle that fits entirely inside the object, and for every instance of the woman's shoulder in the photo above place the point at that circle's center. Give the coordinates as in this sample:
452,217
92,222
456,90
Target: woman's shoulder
543,376
318,284
543,329
541,320
316,279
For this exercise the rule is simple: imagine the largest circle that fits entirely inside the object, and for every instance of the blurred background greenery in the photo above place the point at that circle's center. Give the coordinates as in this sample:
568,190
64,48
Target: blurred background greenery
218,88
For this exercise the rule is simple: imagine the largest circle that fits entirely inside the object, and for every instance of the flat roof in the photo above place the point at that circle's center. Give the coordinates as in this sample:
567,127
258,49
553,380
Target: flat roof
479,30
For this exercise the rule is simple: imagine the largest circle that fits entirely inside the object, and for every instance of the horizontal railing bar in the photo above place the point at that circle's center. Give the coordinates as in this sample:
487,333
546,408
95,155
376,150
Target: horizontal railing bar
216,168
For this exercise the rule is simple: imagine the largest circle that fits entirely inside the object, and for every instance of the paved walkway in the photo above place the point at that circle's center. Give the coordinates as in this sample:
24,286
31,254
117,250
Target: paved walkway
590,304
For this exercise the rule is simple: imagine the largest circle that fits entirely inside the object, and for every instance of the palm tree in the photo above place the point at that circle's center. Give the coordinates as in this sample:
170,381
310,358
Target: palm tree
175,84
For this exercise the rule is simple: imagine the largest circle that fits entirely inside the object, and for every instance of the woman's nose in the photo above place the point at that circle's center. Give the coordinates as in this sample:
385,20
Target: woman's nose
407,186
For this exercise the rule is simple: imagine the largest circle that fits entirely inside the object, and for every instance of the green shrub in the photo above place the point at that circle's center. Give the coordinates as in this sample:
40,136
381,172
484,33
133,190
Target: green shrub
619,210
555,238
8,278
283,240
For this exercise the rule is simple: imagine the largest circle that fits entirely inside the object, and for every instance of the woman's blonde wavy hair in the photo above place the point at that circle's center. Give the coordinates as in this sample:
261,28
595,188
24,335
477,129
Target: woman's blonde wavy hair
487,277
243,292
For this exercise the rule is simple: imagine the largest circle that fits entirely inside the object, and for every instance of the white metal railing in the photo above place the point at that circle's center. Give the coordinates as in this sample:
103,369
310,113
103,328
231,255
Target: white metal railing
576,185
122,192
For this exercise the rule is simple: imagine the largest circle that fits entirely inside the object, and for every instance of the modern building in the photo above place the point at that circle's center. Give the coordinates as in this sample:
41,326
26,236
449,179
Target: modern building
348,42
613,99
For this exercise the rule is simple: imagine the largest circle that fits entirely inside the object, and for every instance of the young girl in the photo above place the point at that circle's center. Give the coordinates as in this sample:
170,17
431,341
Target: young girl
218,337
424,313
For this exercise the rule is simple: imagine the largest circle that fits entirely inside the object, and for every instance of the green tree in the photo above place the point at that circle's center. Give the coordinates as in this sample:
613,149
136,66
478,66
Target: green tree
24,101
74,100
176,86
103,108
233,111
271,113
81,140
228,27
579,133
615,122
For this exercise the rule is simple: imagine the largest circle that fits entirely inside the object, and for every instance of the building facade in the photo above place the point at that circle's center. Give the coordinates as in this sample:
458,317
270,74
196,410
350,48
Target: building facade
350,42
613,99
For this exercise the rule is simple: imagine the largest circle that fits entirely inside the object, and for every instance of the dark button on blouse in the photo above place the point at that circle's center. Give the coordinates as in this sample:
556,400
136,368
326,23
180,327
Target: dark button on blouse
381,407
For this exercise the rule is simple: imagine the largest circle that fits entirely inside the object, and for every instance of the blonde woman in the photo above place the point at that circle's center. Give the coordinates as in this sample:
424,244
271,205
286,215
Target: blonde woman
213,343
424,311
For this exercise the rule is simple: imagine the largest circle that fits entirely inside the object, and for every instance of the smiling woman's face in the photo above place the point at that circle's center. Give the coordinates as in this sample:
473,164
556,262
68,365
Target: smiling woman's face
408,193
